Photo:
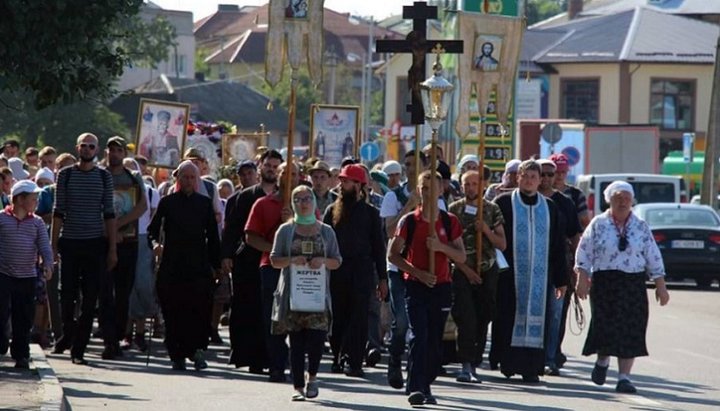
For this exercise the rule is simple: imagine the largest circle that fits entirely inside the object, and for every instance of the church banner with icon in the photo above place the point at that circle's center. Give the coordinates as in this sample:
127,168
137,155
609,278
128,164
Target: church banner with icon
334,132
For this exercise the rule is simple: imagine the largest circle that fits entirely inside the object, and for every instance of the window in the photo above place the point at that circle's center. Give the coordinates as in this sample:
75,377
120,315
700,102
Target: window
580,100
672,104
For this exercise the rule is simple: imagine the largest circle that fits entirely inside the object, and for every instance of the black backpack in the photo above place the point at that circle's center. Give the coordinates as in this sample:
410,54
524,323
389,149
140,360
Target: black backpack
410,229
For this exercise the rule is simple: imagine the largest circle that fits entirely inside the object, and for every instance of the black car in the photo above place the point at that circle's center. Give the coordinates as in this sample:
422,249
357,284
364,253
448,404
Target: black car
688,236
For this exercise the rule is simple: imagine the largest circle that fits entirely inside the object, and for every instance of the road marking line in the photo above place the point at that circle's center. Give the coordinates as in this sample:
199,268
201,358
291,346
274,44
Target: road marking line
644,401
693,354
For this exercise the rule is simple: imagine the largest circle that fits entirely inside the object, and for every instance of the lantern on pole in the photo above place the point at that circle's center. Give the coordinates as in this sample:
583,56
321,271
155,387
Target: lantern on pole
436,93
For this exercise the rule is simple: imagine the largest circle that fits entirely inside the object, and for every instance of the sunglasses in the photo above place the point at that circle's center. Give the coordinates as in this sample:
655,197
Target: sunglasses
623,243
86,145
547,174
300,200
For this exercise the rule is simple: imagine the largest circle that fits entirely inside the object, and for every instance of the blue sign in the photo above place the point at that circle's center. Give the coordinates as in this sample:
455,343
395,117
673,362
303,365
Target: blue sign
572,154
369,151
688,140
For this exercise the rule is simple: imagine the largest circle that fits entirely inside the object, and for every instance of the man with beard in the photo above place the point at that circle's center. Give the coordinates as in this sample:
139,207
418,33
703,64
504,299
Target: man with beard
535,253
265,217
358,229
570,227
84,236
247,335
130,204
474,288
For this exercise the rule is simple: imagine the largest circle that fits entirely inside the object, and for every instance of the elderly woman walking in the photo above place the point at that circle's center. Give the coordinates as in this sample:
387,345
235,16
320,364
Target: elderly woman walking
190,256
305,249
617,254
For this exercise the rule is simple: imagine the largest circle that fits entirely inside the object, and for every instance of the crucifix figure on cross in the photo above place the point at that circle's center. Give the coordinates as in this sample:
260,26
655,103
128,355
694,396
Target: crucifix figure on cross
417,44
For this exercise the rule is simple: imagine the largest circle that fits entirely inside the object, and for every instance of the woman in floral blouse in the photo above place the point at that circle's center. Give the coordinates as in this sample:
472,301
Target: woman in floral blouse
617,253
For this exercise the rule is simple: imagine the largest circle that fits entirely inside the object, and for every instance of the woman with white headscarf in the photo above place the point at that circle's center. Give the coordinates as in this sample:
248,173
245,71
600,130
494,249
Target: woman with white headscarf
184,232
617,254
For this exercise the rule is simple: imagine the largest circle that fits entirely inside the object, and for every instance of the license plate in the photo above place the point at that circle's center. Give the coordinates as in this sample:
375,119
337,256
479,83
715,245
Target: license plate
688,244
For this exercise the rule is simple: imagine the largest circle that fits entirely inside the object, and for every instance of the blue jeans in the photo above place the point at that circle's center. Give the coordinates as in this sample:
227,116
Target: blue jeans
553,316
276,347
427,310
399,326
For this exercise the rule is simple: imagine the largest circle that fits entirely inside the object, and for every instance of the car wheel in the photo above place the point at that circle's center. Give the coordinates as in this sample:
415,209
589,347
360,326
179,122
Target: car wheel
703,282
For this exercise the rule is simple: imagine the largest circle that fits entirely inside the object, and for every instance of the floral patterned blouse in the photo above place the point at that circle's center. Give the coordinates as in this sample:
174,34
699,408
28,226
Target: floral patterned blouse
599,248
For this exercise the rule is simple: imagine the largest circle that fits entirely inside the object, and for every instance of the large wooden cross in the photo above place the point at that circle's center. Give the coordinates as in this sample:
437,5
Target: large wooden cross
417,44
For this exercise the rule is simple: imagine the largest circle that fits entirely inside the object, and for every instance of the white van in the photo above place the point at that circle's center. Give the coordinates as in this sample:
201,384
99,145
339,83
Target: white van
649,188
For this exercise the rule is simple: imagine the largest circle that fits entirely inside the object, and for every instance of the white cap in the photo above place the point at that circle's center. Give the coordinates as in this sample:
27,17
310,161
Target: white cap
617,186
546,162
45,173
468,158
392,167
24,186
16,165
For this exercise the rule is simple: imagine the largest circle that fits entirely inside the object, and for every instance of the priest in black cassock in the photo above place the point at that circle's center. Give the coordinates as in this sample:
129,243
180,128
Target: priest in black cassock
535,253
184,231
247,336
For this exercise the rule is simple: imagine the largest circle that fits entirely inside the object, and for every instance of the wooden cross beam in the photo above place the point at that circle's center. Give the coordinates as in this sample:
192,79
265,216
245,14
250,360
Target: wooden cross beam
417,44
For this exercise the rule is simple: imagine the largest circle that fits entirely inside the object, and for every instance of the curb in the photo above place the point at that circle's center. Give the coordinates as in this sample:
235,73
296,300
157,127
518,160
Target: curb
53,396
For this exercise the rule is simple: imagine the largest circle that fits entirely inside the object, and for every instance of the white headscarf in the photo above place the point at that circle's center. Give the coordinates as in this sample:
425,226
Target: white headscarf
617,186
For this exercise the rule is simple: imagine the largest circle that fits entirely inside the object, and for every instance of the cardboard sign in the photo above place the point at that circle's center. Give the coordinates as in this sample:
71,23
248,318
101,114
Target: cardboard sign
308,288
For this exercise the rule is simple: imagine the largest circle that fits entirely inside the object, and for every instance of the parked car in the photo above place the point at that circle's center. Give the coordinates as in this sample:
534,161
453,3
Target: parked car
688,236
649,188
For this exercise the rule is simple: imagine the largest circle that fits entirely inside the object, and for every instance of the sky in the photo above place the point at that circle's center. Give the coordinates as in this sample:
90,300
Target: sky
379,9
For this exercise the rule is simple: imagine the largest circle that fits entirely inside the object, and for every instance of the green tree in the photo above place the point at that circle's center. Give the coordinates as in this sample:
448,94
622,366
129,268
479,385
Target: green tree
539,10
306,94
67,50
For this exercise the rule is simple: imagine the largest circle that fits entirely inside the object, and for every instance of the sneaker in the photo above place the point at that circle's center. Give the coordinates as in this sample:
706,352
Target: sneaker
22,363
625,387
199,362
416,398
373,357
463,376
552,370
311,389
599,374
395,375
297,396
179,365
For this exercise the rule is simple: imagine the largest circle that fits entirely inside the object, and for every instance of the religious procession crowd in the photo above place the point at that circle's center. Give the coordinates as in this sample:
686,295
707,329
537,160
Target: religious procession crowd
80,239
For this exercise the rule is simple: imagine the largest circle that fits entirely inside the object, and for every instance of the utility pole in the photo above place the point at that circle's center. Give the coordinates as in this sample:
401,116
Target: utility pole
709,193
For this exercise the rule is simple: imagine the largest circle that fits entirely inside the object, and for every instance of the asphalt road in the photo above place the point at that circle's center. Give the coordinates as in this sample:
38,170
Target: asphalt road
681,373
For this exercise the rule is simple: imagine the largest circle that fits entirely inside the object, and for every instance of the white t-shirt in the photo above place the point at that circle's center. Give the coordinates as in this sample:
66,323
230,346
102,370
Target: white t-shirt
144,220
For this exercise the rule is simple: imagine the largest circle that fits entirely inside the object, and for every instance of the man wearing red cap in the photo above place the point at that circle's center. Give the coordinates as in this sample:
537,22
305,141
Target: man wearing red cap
358,229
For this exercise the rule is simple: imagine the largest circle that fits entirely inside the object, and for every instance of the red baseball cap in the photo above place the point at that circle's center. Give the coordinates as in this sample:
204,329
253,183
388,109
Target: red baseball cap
561,161
354,172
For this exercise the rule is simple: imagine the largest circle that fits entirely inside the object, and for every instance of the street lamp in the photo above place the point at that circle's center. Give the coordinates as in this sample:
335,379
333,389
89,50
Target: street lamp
436,93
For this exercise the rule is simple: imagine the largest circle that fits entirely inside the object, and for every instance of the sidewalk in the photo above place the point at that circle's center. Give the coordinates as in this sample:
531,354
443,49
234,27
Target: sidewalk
34,389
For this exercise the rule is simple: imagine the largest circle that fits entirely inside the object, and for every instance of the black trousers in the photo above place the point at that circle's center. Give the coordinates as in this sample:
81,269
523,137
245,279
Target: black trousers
277,349
350,305
53,294
310,342
247,334
82,265
17,304
115,293
186,307
473,309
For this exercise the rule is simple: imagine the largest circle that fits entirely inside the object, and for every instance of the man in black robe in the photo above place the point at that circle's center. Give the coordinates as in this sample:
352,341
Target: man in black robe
538,260
247,337
184,231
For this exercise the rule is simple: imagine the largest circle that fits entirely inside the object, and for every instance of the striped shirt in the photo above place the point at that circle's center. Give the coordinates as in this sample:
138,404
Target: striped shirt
83,200
22,241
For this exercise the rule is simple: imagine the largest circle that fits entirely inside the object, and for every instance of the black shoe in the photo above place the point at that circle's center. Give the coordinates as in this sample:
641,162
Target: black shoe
530,378
179,365
140,342
277,376
416,398
111,352
79,361
255,370
98,333
60,346
199,362
560,360
430,400
625,387
552,370
354,372
336,368
599,374
373,357
395,375
215,338
22,363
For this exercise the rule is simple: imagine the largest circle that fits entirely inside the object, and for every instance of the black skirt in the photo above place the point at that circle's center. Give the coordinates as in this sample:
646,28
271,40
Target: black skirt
619,307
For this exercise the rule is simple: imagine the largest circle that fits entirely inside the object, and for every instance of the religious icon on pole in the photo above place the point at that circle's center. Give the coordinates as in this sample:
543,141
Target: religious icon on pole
334,132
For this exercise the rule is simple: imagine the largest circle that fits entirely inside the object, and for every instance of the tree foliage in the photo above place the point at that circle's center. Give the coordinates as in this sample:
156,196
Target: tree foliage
539,10
67,50
306,94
